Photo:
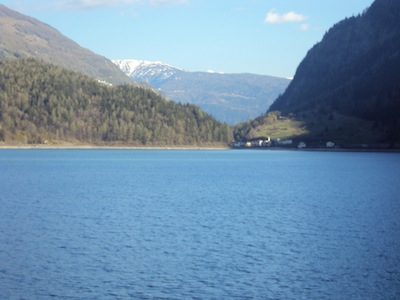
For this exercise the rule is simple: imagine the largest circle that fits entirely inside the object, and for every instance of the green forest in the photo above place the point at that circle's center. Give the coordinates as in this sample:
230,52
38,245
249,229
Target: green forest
41,103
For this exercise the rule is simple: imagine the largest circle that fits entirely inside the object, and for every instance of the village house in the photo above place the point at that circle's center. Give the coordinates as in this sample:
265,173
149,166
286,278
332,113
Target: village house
301,145
284,142
260,142
253,143
330,145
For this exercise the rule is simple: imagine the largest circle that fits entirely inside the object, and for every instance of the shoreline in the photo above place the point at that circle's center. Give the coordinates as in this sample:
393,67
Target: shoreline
396,150
208,148
109,147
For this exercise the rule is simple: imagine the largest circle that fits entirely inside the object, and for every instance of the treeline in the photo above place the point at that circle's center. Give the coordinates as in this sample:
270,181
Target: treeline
44,103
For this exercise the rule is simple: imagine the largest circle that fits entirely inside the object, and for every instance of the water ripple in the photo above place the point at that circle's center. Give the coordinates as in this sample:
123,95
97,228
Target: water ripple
199,225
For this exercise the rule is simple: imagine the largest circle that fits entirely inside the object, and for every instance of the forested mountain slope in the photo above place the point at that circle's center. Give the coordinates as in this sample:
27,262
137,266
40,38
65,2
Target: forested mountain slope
44,103
23,36
354,72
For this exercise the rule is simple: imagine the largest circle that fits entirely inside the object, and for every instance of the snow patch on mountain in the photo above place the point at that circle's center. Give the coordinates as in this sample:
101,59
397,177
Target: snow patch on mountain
146,70
214,72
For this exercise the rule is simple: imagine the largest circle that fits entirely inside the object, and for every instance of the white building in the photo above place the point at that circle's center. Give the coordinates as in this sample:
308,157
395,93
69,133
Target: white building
330,144
301,145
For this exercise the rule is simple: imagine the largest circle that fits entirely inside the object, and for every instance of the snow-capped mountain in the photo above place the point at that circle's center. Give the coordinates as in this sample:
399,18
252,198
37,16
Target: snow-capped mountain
231,98
144,70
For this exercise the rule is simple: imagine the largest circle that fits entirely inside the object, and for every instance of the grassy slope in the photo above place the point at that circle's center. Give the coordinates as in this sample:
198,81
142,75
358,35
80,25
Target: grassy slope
342,130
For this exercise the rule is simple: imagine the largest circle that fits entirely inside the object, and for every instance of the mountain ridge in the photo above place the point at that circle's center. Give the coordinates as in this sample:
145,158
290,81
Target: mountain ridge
24,36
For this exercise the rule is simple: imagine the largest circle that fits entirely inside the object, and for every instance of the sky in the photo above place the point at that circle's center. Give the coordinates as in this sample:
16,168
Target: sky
267,37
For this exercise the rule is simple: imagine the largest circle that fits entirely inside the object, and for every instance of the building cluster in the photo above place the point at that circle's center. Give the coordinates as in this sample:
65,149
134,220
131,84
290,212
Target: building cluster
264,142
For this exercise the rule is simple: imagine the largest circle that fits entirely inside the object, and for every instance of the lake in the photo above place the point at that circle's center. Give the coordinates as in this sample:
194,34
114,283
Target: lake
169,224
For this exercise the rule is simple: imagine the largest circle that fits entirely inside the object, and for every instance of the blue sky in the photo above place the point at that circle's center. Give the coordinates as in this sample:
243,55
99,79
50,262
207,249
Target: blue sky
268,37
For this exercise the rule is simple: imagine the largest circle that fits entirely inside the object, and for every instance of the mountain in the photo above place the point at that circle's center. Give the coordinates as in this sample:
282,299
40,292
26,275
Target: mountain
347,86
147,71
23,36
231,98
42,103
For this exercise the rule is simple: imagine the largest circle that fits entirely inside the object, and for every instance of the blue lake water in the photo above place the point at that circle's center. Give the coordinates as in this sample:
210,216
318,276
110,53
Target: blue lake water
152,224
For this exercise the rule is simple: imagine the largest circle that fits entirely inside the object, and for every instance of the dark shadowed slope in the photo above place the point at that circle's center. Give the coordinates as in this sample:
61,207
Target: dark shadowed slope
354,70
347,87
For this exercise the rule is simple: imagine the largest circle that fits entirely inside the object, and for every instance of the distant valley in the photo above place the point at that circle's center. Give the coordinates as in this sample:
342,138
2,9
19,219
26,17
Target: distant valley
231,98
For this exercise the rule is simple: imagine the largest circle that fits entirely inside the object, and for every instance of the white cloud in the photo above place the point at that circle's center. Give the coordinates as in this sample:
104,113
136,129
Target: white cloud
166,2
89,4
274,17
